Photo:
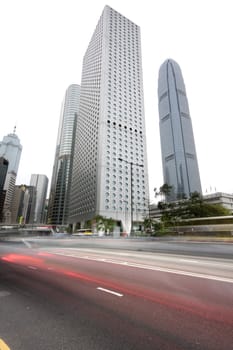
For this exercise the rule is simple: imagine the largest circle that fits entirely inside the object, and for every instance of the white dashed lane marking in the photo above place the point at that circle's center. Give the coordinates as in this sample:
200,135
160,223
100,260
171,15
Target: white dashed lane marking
110,291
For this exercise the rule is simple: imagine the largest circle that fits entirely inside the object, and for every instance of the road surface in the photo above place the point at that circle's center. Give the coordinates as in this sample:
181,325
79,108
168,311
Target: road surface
58,297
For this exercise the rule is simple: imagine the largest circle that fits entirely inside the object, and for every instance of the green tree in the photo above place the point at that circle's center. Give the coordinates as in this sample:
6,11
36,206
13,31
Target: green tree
194,207
148,223
104,223
164,191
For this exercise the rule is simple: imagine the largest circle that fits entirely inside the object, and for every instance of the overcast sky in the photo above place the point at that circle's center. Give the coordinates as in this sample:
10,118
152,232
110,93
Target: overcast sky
42,47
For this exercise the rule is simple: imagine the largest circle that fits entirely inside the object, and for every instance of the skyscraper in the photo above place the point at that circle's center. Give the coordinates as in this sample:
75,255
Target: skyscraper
10,149
23,206
3,171
180,166
40,182
110,156
61,178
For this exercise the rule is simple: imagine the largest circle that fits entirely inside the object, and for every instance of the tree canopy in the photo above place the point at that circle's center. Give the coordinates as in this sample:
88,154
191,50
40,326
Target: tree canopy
194,207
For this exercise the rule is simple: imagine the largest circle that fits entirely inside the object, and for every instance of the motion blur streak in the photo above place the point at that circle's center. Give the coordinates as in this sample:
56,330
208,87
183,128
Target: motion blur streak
163,299
44,254
22,259
198,308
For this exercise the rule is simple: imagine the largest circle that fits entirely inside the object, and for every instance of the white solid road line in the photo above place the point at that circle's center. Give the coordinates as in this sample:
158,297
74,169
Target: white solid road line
189,260
157,268
110,291
32,267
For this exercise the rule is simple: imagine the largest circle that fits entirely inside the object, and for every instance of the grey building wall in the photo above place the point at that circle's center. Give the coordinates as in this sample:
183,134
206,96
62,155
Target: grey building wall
111,125
180,166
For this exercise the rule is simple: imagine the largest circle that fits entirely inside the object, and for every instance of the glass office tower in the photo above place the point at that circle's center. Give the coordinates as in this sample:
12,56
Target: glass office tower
61,178
180,166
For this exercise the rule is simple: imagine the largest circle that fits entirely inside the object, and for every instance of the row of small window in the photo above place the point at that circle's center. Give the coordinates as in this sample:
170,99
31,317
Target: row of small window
107,207
136,93
116,17
128,82
119,189
118,69
125,64
126,183
126,173
117,26
130,120
120,126
130,98
120,150
125,155
114,202
133,100
127,57
120,47
132,142
131,103
121,21
126,85
133,118
128,112
114,172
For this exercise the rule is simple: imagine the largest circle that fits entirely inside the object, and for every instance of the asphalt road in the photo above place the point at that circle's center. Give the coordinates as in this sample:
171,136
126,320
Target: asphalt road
67,298
176,245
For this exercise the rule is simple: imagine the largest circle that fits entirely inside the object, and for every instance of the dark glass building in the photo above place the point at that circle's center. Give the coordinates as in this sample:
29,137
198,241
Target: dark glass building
58,209
3,172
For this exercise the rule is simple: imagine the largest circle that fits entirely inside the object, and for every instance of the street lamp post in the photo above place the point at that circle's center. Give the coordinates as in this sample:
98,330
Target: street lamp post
131,187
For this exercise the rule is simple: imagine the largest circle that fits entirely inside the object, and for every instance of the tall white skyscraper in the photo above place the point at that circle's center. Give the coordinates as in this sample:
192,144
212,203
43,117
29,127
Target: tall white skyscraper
61,178
10,149
110,156
40,182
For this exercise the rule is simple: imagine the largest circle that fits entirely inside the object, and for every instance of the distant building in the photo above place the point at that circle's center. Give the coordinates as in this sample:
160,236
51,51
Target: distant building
3,172
180,166
110,176
23,206
225,199
10,149
58,209
40,182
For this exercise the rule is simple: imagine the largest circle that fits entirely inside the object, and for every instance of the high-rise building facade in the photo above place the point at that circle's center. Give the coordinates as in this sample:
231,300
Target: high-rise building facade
40,182
23,206
61,179
3,172
10,149
180,166
110,156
